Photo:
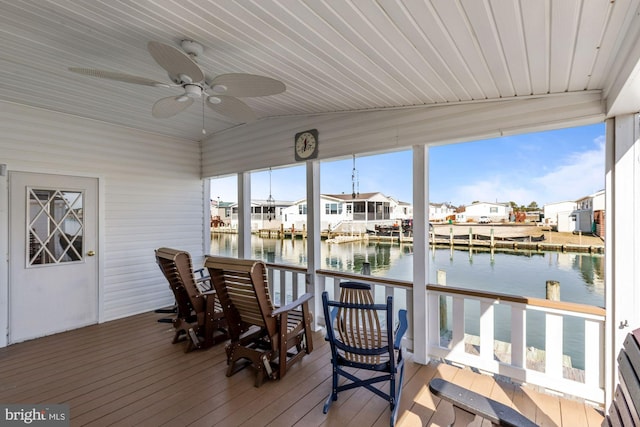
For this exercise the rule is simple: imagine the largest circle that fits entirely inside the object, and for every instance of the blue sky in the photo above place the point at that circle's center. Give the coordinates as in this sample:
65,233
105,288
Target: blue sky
544,167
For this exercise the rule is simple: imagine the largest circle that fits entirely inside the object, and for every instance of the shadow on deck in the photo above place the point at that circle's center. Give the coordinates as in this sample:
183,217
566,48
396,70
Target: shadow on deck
127,372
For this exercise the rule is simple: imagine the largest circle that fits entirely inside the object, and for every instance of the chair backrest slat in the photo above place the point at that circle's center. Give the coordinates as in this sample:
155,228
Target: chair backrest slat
625,408
358,324
244,283
178,269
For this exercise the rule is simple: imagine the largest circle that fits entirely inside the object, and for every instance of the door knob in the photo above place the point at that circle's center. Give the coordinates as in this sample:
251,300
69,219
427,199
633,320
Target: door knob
91,253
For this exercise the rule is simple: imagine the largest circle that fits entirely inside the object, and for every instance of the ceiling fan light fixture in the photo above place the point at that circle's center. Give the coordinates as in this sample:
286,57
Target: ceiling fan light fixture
214,100
193,91
182,98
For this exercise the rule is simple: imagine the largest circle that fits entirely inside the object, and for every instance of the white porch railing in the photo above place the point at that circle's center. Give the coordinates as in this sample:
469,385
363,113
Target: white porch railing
483,352
518,364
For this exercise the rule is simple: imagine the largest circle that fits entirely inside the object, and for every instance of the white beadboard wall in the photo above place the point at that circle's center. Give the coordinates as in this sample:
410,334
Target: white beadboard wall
152,197
269,142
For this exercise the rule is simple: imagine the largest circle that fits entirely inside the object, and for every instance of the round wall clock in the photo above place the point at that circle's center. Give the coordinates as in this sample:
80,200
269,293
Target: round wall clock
306,145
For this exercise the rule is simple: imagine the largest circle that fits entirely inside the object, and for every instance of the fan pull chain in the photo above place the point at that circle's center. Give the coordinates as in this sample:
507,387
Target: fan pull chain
204,132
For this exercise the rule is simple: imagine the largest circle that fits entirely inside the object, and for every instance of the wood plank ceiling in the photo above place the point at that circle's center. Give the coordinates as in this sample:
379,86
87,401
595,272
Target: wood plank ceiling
332,55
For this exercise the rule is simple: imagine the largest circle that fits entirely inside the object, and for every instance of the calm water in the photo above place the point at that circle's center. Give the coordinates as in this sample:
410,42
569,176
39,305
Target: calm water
525,273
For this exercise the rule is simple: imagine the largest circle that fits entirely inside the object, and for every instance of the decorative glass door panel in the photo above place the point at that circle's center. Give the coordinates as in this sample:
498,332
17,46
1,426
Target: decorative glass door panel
55,226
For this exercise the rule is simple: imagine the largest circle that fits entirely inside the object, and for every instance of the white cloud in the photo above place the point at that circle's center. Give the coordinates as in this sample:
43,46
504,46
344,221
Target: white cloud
497,189
582,174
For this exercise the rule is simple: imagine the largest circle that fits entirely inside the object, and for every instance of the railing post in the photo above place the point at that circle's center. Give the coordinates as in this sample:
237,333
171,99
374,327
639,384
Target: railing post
553,345
295,292
487,332
457,335
593,353
283,287
409,334
442,280
434,325
518,335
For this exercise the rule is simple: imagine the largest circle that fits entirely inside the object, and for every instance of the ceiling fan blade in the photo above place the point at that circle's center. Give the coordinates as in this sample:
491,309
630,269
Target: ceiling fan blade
170,106
121,77
238,84
175,61
231,107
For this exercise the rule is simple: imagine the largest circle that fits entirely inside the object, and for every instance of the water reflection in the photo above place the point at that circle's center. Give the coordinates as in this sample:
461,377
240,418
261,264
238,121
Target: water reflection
521,272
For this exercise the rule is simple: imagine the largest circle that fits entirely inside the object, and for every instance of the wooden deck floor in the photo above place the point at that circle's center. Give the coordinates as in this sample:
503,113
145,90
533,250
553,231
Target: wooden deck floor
127,373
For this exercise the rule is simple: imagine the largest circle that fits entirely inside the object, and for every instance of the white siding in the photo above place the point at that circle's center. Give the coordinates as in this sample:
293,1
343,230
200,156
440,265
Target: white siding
151,188
269,143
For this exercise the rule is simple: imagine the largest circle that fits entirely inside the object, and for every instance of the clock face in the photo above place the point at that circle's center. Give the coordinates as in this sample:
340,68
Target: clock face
306,145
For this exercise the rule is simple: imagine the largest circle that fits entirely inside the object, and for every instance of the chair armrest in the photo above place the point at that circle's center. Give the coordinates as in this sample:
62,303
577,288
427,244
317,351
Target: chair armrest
474,403
303,299
401,329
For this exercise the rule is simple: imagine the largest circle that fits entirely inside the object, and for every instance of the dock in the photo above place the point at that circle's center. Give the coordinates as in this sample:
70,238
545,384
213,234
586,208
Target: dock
470,240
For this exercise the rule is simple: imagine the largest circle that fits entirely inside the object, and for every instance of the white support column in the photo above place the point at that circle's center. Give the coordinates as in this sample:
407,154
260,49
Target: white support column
420,251
206,223
313,237
244,215
4,250
622,236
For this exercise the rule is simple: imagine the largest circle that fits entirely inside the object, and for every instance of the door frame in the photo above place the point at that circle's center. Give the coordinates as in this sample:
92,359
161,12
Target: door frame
5,284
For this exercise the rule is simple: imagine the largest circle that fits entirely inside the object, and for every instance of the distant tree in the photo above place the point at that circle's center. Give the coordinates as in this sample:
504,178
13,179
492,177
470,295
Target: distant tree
533,206
513,205
475,201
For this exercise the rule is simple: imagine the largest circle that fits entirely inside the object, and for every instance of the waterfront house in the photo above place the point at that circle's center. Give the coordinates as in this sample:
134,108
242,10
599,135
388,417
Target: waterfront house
370,77
438,212
560,215
589,213
348,212
496,212
265,214
402,211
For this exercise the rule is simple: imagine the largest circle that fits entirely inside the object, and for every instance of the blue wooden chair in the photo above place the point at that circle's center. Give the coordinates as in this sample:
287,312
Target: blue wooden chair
362,337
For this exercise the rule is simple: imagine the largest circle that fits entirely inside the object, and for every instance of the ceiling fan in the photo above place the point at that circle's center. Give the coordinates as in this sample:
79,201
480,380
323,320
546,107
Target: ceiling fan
219,93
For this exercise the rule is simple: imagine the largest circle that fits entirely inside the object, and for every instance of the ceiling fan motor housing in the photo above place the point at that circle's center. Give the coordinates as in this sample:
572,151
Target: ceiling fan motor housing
193,90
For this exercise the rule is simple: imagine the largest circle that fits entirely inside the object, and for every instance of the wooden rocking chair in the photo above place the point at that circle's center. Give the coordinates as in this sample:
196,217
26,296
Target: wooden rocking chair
199,316
260,333
360,340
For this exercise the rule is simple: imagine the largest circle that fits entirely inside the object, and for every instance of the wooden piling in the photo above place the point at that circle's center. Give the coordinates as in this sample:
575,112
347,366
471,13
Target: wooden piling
366,269
553,290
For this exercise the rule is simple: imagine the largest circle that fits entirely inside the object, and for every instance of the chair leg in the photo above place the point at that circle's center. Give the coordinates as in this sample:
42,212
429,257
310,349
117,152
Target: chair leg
461,417
333,396
396,392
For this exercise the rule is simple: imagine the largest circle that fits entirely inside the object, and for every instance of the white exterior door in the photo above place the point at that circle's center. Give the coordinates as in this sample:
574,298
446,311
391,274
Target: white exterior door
53,270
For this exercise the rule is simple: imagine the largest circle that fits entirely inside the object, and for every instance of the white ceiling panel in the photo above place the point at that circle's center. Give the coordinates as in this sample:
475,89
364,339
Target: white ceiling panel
333,56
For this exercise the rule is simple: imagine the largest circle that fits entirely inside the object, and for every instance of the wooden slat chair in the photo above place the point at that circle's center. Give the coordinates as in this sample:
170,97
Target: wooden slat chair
199,316
360,340
271,339
625,407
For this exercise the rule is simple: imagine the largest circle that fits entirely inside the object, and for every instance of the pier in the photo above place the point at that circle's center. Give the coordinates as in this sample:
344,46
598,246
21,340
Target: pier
497,236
